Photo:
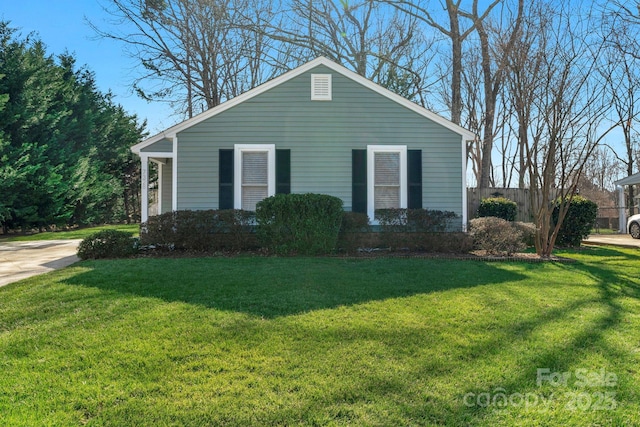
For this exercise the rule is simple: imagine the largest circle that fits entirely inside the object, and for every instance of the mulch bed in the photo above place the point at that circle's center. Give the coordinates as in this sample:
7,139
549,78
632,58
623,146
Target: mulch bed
368,254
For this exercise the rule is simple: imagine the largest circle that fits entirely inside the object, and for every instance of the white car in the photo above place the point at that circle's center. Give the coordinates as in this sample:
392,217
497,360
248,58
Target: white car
633,226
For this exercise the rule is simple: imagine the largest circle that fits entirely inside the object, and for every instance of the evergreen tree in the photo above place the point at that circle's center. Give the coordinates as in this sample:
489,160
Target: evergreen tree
64,145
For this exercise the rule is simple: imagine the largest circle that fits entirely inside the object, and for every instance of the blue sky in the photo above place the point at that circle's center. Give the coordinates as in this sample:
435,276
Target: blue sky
61,25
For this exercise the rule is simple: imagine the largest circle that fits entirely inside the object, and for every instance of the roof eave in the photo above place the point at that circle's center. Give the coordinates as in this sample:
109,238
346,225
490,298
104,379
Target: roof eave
174,130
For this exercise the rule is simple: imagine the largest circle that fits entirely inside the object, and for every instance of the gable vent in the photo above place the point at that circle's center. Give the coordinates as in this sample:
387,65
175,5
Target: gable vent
321,87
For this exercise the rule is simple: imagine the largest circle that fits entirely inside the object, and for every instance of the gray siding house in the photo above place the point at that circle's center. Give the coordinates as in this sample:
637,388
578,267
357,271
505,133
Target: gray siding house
319,128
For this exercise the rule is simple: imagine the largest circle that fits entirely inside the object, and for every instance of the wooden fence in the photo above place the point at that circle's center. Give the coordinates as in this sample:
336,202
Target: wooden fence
607,216
518,195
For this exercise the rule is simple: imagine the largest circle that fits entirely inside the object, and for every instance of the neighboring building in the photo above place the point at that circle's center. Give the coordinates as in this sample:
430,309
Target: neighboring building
319,128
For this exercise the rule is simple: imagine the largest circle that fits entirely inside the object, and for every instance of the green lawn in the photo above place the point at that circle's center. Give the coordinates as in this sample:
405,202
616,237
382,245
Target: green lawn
604,231
254,341
78,233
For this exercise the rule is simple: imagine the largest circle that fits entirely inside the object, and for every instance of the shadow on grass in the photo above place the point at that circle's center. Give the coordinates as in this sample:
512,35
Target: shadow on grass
518,349
272,287
561,336
599,315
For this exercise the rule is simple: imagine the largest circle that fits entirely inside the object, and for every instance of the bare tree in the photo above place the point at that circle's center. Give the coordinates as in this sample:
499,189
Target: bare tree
601,170
197,53
621,72
494,60
568,108
453,30
367,37
524,77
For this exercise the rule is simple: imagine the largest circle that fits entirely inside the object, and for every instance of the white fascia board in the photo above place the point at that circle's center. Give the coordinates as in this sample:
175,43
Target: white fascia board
137,149
464,186
173,131
629,180
157,154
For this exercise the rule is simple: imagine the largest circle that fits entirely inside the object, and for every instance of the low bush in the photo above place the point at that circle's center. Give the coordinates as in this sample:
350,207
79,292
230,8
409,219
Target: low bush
528,230
496,236
354,226
577,222
306,224
499,207
107,244
407,228
208,230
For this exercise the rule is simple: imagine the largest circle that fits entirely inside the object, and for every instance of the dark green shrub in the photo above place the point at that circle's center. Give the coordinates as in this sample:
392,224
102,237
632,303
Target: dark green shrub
207,230
577,223
354,226
415,220
499,207
107,244
407,228
431,221
299,223
497,236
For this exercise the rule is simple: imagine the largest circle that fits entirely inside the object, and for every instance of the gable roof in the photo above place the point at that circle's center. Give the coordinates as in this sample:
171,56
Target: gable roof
174,130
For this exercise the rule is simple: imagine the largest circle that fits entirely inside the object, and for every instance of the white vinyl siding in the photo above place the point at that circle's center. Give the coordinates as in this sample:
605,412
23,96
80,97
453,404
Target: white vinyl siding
386,177
321,87
254,174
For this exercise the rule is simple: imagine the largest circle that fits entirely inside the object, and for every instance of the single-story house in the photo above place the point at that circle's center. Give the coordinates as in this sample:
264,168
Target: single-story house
319,128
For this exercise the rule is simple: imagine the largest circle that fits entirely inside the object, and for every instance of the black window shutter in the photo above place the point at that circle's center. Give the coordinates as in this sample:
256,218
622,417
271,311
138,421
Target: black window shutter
359,180
283,171
226,179
414,179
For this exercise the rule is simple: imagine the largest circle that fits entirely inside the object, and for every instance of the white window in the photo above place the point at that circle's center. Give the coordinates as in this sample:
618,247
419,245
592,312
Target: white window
386,177
254,174
321,87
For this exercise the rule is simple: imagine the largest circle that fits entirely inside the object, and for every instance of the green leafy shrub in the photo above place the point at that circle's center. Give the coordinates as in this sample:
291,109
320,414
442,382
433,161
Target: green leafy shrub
305,224
408,228
495,235
107,244
415,220
577,222
353,230
499,207
206,230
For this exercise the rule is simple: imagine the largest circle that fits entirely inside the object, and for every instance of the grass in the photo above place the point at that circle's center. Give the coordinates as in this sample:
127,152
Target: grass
604,231
77,233
254,341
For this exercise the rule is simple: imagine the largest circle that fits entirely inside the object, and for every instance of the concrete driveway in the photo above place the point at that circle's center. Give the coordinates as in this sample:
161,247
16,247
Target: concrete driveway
624,240
19,260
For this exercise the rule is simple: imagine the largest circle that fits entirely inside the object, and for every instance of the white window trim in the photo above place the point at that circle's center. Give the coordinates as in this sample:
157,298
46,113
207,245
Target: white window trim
371,150
316,97
270,149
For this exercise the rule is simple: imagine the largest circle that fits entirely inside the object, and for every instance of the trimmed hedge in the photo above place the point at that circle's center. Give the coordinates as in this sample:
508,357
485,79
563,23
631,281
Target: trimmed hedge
414,220
108,244
352,229
577,223
306,224
499,207
412,228
208,230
